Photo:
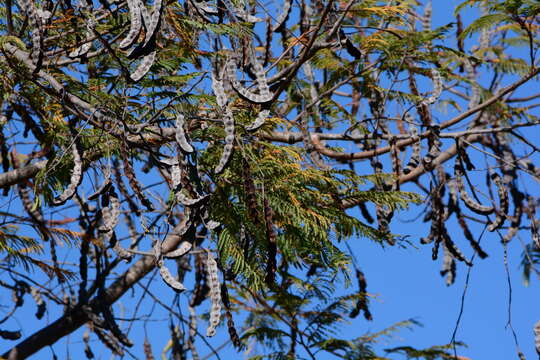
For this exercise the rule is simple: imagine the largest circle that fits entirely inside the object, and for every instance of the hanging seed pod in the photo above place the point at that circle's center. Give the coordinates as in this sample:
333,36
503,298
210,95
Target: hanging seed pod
228,122
132,180
246,94
180,135
109,341
463,156
282,18
260,76
152,27
121,252
365,213
468,235
104,187
147,349
184,200
452,248
41,306
434,150
169,279
362,303
144,66
426,19
416,148
448,267
87,45
467,200
135,24
87,350
112,326
501,214
215,294
76,178
10,335
259,121
36,26
28,204
192,332
437,88
396,163
183,249
218,89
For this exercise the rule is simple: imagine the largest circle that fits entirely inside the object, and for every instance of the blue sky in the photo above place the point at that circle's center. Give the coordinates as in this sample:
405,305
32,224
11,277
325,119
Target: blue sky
405,283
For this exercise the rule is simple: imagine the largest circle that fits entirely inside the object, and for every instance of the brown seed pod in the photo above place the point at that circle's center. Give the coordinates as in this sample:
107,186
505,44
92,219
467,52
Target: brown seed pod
41,305
147,348
132,180
437,88
10,335
448,267
180,135
414,161
169,279
228,122
144,66
183,249
109,340
426,19
501,213
135,24
467,200
76,178
212,279
282,18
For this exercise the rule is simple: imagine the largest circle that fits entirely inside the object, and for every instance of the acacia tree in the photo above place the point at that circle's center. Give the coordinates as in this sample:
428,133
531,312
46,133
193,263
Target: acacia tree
233,140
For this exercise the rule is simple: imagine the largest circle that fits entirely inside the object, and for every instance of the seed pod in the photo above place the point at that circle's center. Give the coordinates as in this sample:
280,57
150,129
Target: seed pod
76,178
468,235
87,350
135,24
105,186
362,303
474,97
437,88
180,134
416,147
282,18
144,66
28,204
260,76
448,267
396,163
183,249
467,200
246,94
109,341
10,335
426,19
434,150
500,214
152,27
147,348
219,91
192,332
36,27
215,294
87,45
271,237
133,183
259,121
41,306
169,279
452,248
228,121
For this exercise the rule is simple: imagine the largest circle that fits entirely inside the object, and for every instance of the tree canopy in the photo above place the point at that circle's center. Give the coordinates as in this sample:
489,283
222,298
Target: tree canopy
207,165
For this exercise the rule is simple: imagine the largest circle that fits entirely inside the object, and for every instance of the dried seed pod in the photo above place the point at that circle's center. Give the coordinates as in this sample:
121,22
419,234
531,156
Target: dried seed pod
169,279
152,27
87,350
109,341
147,348
121,252
112,326
10,335
36,26
452,248
135,24
396,163
246,94
426,19
144,66
183,249
215,294
219,90
448,267
365,213
180,134
271,237
474,97
87,45
76,178
467,200
41,306
184,200
434,150
362,303
468,235
501,213
130,174
28,204
228,122
104,187
437,88
260,75
282,18
414,161
259,121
